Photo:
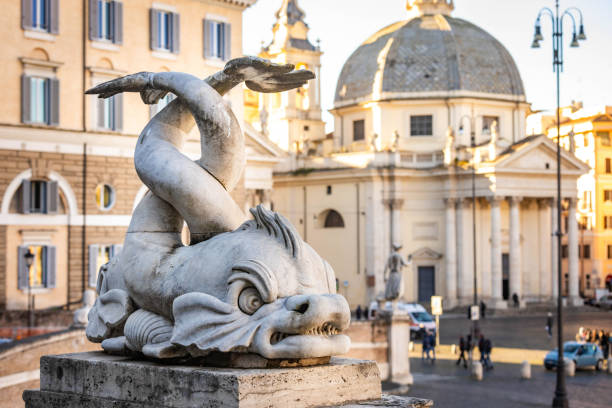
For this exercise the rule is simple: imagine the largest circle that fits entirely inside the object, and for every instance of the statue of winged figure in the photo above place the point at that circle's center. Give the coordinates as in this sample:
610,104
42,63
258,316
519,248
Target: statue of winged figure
241,285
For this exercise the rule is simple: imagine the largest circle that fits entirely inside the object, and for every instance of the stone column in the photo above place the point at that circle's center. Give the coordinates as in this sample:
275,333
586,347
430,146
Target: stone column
572,250
464,252
554,249
497,300
395,206
450,255
545,245
515,247
398,352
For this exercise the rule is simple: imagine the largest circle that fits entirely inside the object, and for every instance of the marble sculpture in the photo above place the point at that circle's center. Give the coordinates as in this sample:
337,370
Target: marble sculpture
242,285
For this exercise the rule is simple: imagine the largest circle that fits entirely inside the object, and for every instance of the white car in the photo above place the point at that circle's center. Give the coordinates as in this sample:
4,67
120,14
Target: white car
605,302
421,321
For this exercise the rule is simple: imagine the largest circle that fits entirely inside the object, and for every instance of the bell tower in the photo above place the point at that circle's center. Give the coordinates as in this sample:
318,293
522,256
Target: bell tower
292,119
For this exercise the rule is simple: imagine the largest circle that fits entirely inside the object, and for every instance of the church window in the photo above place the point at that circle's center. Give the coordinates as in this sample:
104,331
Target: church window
217,40
333,219
604,137
487,124
358,130
421,125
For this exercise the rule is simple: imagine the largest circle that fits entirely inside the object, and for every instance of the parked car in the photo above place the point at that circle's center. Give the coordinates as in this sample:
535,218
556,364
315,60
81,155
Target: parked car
420,320
604,302
583,355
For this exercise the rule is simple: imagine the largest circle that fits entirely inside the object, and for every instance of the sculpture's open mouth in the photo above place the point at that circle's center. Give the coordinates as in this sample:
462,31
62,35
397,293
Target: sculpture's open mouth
327,329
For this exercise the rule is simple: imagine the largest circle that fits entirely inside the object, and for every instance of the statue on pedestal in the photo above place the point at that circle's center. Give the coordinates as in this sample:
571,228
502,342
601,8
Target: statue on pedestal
394,287
242,286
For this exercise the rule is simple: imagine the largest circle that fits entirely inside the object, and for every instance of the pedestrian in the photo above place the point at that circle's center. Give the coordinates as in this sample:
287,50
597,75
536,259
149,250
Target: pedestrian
604,342
549,324
462,349
366,313
432,347
515,299
488,348
483,309
358,312
481,348
425,347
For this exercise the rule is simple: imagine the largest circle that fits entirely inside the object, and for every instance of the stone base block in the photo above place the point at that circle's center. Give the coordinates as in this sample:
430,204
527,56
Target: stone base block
99,380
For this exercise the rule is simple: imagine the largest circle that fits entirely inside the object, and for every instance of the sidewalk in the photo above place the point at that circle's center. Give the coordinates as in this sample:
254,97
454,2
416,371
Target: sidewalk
498,355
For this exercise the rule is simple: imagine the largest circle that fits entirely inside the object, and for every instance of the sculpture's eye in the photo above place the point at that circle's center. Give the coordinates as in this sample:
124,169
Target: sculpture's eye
249,300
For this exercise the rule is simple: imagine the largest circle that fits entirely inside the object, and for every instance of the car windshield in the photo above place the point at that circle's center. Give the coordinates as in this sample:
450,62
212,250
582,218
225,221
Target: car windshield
570,348
422,317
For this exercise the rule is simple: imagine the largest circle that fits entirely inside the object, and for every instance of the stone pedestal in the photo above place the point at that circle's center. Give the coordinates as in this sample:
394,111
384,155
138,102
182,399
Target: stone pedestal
399,355
99,380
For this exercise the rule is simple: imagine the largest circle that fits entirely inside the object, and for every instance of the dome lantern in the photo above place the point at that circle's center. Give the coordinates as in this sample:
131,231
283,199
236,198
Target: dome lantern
418,8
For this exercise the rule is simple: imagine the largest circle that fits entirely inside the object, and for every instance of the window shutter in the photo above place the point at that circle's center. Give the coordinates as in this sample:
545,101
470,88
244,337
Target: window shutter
153,24
51,265
53,16
118,113
25,99
176,33
93,19
22,270
25,202
26,14
93,265
52,197
117,22
100,113
206,38
227,38
54,102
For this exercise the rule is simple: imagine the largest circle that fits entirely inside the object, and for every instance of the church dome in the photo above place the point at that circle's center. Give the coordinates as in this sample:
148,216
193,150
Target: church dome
428,56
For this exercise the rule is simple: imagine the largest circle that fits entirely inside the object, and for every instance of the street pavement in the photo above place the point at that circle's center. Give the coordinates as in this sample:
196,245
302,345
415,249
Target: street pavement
516,338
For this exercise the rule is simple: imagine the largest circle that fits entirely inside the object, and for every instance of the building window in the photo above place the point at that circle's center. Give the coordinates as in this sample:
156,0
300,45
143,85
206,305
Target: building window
564,251
40,15
105,197
110,113
329,190
487,124
358,130
608,166
609,251
106,21
162,103
217,40
607,195
41,273
421,125
607,221
38,197
604,137
39,100
98,256
165,31
333,219
586,251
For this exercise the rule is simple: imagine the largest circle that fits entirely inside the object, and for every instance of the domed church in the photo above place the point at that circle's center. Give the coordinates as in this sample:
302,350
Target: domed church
428,152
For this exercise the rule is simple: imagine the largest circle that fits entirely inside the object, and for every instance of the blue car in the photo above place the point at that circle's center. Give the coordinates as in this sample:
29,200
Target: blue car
583,355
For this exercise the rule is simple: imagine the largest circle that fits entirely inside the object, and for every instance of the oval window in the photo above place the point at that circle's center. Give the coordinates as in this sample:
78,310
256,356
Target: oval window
105,197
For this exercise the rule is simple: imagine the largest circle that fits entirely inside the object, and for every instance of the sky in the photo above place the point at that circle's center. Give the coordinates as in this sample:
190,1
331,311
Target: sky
342,25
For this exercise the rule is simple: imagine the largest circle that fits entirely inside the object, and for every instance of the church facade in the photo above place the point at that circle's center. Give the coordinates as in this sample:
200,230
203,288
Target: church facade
428,151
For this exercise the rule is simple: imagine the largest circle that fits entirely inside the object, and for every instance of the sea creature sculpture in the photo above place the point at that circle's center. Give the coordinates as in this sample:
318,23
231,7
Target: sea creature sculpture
241,285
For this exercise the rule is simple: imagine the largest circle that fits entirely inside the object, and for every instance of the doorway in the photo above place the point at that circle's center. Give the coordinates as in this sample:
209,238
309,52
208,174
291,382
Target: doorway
506,276
427,283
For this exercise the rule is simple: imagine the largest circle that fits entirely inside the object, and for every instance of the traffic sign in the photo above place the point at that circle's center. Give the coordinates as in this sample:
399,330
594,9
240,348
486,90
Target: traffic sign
436,305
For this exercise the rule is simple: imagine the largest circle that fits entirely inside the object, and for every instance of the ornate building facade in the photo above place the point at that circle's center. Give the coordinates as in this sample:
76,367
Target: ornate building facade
67,179
424,108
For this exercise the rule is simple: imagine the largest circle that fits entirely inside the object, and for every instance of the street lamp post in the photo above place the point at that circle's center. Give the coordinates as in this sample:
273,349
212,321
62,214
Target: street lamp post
29,259
560,399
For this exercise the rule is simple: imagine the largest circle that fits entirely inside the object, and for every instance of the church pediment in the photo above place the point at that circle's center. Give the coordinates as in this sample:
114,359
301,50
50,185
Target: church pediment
425,253
538,153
